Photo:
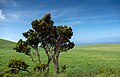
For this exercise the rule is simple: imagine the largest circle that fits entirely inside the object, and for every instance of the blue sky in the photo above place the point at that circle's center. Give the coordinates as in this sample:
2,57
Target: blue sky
92,20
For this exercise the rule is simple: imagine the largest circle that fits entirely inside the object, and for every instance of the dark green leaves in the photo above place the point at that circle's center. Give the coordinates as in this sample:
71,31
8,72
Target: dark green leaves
40,67
47,18
66,46
35,24
65,33
16,66
71,45
22,47
45,33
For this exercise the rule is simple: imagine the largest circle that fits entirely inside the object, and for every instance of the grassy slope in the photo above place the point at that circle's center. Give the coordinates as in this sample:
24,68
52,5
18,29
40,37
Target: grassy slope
91,58
5,51
6,43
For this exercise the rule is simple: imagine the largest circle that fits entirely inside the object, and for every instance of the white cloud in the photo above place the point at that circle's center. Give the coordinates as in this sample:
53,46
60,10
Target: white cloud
56,13
2,16
59,13
13,16
8,2
94,17
72,23
76,22
9,16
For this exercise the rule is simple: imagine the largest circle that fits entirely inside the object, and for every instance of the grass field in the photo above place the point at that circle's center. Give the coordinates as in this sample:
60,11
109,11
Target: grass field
100,60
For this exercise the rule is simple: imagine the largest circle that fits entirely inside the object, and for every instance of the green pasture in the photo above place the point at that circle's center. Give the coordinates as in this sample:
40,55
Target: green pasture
100,60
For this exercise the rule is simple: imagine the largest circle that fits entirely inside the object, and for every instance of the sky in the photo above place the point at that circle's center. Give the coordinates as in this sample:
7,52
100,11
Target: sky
92,21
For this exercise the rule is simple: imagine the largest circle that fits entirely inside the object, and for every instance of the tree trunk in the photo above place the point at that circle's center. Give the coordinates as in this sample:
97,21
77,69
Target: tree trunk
56,56
56,65
50,57
48,62
38,55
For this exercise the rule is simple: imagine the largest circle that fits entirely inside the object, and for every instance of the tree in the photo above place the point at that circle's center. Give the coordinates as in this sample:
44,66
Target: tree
53,39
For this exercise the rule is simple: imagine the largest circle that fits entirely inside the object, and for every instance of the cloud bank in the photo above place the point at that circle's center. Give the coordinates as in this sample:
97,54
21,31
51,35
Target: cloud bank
2,16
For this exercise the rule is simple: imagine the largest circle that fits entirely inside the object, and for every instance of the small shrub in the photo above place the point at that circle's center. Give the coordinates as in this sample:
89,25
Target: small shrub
11,71
40,68
16,66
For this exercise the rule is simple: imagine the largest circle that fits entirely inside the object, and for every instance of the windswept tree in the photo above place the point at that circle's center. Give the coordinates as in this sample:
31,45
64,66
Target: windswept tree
53,39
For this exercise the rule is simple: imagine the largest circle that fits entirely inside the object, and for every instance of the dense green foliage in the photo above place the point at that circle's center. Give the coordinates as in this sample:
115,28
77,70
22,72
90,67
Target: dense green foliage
16,66
40,67
53,39
22,47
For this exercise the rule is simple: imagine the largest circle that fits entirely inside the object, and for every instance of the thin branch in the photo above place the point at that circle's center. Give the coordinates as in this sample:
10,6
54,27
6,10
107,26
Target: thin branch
38,55
32,58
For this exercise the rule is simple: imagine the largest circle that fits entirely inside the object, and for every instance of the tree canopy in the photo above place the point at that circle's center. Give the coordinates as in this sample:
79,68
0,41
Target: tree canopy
53,39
